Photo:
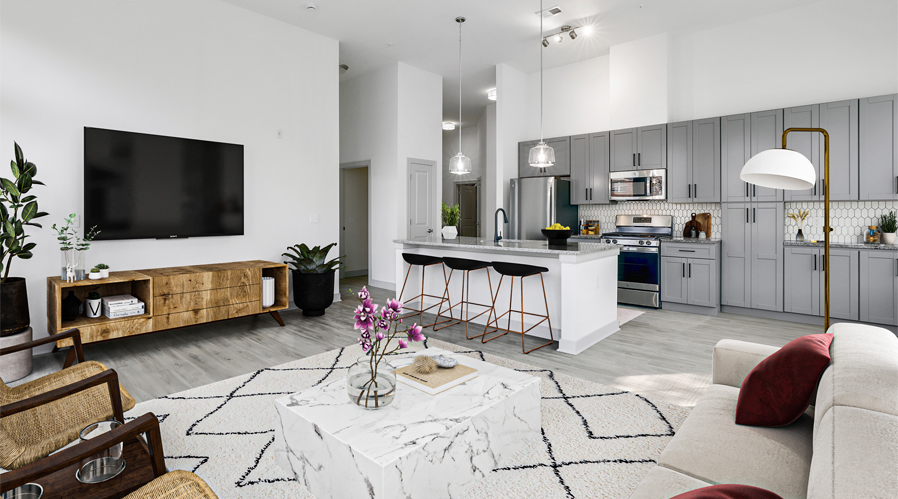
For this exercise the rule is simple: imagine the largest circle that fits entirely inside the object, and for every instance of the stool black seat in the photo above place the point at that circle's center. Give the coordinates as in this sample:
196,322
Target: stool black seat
464,263
413,259
518,269
423,261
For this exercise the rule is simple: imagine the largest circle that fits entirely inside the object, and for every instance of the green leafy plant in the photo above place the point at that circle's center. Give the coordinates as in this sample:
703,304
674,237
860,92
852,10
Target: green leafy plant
101,266
93,295
888,223
68,237
94,270
17,209
451,215
312,261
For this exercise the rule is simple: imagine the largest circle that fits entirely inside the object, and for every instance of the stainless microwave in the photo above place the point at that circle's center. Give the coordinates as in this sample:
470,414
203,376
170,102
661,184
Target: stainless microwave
638,185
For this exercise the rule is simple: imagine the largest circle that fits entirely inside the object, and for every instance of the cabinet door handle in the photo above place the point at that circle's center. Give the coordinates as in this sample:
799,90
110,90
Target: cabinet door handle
690,271
823,261
684,269
634,159
590,193
639,158
695,190
586,193
746,189
815,262
746,215
754,191
754,215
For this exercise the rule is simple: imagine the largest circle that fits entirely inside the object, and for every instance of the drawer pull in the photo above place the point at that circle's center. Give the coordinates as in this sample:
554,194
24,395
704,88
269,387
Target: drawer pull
686,251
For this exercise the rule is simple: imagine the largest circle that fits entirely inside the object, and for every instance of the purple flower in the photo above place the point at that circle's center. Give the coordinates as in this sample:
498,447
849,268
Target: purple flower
363,294
379,336
382,324
403,343
366,345
414,333
364,315
366,335
394,305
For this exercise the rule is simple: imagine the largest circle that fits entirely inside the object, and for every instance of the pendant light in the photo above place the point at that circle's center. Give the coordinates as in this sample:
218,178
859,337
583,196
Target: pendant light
459,164
541,155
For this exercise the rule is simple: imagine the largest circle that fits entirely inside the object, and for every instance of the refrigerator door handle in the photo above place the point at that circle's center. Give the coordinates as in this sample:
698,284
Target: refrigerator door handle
550,209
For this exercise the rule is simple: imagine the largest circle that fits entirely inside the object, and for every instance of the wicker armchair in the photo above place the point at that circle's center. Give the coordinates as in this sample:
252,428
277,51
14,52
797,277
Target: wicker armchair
158,484
46,414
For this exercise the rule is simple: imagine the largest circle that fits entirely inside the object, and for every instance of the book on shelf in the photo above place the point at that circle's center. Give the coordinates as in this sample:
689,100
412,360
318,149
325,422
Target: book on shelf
438,381
118,314
121,308
119,300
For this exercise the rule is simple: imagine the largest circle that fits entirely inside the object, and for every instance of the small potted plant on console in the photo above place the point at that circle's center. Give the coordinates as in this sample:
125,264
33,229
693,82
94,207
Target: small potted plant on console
104,270
95,274
94,305
313,278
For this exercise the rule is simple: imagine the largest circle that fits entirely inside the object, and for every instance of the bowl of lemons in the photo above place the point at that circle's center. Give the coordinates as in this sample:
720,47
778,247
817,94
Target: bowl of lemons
557,234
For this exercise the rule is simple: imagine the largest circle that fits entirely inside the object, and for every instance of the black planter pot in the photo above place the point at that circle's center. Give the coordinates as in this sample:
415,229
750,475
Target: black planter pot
313,292
14,316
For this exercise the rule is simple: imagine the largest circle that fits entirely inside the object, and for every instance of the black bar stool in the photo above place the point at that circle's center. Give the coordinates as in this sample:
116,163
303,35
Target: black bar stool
465,266
423,261
520,271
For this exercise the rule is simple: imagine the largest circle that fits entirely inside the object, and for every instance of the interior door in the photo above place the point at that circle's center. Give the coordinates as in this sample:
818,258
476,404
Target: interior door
421,199
467,204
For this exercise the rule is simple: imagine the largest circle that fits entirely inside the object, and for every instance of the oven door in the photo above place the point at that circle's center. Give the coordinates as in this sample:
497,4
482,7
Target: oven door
638,185
639,268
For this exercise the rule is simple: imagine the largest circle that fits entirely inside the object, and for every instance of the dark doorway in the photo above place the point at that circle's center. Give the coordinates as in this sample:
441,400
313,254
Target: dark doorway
468,224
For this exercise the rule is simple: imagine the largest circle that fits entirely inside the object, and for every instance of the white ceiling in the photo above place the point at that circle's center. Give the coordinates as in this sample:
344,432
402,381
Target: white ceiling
424,34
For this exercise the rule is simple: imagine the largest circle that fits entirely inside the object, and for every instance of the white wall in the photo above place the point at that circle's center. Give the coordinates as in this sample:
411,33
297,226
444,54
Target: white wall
388,116
202,69
489,179
639,82
512,113
470,145
576,97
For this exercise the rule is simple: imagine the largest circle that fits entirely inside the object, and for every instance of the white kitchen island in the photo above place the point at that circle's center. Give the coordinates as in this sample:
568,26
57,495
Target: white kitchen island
581,285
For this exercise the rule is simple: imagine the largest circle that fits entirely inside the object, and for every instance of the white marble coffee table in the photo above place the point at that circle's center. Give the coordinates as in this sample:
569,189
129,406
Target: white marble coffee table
419,446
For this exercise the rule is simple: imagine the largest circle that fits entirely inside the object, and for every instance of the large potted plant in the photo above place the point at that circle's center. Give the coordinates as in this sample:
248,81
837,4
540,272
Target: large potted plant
18,210
313,278
451,216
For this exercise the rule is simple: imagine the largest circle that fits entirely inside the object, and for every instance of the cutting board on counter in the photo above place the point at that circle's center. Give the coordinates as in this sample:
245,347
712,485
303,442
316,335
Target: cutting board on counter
701,222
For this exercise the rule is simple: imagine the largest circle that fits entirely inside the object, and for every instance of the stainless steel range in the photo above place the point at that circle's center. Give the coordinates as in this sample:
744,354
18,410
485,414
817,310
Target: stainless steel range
639,263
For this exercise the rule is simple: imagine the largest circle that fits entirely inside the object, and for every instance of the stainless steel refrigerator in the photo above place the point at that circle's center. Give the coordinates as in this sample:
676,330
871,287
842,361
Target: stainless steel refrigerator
536,203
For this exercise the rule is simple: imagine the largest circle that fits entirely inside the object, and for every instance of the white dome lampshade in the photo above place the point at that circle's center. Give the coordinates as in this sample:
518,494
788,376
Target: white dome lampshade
780,169
460,164
542,156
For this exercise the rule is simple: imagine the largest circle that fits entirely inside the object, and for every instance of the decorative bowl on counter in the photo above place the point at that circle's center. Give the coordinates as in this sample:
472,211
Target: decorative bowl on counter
557,237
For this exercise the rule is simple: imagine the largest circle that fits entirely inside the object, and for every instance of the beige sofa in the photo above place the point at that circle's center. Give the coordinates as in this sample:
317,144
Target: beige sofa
845,446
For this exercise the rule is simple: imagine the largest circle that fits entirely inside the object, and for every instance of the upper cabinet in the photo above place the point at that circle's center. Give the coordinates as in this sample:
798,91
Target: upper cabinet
808,144
693,161
879,148
741,137
562,167
590,156
643,148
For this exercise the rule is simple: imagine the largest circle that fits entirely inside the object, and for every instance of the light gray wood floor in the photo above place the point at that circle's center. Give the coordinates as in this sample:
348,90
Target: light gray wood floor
663,354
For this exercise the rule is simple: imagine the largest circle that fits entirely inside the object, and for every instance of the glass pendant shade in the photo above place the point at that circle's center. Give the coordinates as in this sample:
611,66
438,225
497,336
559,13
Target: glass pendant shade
542,156
460,164
778,169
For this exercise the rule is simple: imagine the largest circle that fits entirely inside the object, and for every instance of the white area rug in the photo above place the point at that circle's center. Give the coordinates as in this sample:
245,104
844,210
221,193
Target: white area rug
625,315
598,441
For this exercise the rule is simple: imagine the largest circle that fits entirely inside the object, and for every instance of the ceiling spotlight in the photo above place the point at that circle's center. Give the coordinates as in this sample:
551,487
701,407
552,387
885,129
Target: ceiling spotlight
311,7
586,30
573,35
491,94
343,68
448,125
545,42
558,38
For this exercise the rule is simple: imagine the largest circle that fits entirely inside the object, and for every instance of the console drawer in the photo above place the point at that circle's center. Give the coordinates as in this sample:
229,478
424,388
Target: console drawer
690,250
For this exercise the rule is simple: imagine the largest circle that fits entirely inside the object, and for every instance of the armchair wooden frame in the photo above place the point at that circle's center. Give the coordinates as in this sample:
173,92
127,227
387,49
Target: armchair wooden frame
75,351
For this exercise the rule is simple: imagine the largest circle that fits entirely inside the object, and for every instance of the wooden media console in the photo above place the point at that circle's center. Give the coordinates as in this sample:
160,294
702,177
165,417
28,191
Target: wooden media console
175,297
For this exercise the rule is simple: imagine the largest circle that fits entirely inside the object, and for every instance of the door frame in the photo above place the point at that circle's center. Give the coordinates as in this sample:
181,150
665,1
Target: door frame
350,166
434,193
479,194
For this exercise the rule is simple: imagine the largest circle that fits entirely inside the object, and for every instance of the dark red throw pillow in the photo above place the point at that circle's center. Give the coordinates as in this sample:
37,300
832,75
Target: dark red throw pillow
728,491
779,389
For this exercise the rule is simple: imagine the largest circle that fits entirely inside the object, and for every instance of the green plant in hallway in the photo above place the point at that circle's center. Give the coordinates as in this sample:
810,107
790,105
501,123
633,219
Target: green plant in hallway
888,225
18,210
313,277
451,215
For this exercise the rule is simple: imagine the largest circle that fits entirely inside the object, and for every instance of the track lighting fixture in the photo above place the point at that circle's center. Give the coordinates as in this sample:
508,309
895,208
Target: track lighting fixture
566,29
545,42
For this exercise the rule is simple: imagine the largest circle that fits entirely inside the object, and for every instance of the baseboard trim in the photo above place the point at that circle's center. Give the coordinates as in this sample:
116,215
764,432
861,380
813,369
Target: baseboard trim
574,347
812,320
389,286
690,309
354,273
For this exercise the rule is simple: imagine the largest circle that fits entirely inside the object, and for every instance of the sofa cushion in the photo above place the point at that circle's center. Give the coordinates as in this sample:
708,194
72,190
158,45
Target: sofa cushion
863,373
855,455
779,389
664,483
710,446
729,491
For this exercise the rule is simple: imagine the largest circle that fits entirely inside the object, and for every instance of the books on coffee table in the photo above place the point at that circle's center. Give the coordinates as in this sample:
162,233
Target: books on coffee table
438,381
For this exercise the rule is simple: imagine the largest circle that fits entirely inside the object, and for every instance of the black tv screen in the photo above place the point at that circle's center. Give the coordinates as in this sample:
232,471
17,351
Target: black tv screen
138,185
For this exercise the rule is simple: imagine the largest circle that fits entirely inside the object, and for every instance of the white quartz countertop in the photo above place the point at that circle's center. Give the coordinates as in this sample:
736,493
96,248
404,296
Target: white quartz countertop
516,245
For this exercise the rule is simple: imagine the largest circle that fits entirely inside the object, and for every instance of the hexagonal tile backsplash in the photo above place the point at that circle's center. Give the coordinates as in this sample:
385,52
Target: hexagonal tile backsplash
847,218
681,212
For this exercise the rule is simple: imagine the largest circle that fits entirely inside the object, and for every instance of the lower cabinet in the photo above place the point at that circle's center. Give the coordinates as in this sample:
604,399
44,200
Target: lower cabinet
805,283
752,255
692,279
879,287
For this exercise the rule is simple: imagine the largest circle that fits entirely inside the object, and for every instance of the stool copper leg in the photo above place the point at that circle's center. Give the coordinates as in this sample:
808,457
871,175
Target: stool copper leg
546,302
483,338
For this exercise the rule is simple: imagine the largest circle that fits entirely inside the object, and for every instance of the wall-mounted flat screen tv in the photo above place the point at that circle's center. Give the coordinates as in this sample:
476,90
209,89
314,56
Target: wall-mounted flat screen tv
138,185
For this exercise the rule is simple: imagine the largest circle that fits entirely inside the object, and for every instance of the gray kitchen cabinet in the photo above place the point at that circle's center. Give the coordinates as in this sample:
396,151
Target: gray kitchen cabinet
643,148
693,161
840,120
807,144
589,168
674,283
735,151
703,282
767,226
844,282
735,265
879,287
766,133
878,149
802,280
562,167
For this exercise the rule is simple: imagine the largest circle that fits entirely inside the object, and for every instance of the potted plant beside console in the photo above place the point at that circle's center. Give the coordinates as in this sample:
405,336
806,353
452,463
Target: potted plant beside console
18,210
313,278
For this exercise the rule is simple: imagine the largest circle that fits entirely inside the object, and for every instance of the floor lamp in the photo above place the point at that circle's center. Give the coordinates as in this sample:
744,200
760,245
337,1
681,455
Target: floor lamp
791,170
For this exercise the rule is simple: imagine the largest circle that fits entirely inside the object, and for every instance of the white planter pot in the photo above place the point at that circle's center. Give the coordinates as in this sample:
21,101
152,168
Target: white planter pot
449,232
94,307
95,275
16,365
888,237
104,273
